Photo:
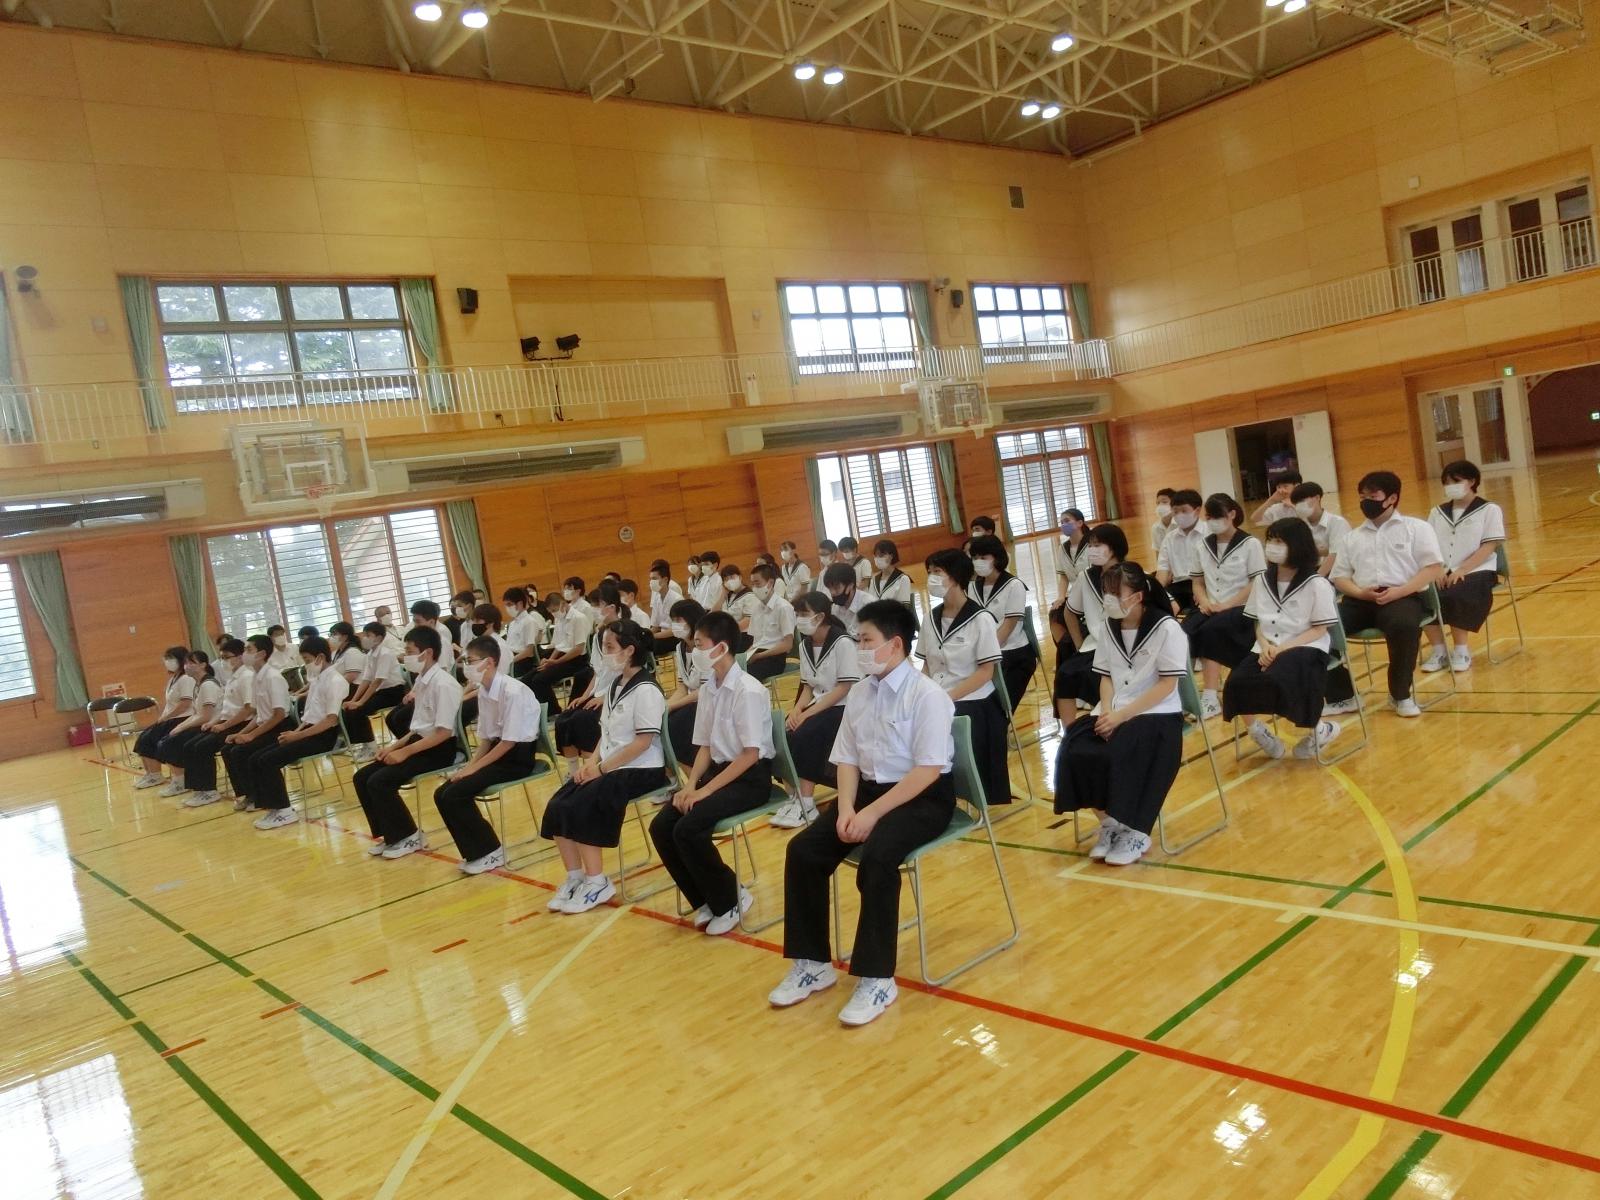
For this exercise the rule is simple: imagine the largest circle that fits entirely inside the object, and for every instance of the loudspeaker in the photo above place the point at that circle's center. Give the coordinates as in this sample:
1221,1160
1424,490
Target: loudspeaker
469,300
957,297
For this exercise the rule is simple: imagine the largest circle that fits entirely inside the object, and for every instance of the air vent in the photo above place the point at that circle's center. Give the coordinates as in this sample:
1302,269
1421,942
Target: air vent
447,470
1016,197
819,435
55,512
1050,408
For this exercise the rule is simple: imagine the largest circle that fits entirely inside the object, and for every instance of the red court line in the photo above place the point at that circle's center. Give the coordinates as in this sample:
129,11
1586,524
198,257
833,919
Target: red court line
450,945
272,1012
100,762
180,1049
1286,1083
374,975
524,917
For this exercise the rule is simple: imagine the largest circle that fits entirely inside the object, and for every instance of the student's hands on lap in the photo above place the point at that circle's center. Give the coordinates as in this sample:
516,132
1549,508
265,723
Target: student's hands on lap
797,718
860,825
588,773
1107,724
1268,653
685,800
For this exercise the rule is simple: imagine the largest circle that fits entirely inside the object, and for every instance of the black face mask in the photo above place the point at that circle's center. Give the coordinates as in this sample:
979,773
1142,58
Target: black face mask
1373,509
478,628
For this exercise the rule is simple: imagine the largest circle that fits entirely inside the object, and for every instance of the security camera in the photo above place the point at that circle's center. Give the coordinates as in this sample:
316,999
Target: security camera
25,278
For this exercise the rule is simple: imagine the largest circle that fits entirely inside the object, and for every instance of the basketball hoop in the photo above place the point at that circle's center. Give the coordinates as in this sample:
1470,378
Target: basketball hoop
320,496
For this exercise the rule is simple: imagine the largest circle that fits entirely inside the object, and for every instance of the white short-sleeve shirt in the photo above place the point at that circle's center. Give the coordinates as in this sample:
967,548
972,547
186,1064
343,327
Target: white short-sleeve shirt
573,628
708,590
896,586
863,568
825,667
631,707
771,622
206,694
324,695
894,723
1134,659
508,710
1329,531
847,612
1006,598
1180,552
436,698
267,692
1069,559
661,605
179,688
796,578
351,662
1278,510
1228,570
733,716
284,657
1461,531
1087,602
1387,555
1285,610
742,606
237,694
688,675
526,629
955,649
1158,535
382,666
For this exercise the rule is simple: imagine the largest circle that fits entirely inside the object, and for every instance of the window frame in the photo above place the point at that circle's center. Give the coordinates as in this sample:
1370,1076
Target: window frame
1043,459
296,384
875,456
17,587
855,361
995,353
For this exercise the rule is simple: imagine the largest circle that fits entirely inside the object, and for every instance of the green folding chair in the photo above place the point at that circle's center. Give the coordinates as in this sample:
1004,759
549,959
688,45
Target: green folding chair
1338,656
1011,736
1431,615
1037,734
1502,571
673,782
305,794
414,784
971,813
545,766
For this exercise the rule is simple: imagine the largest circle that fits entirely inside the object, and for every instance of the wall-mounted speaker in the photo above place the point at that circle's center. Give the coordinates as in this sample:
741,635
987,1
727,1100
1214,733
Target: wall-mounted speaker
468,298
957,297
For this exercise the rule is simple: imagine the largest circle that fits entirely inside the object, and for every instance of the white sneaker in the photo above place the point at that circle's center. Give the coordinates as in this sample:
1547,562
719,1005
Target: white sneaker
1434,662
148,781
365,752
872,997
378,847
720,925
1210,706
489,862
1461,660
277,818
702,916
201,799
243,804
1129,847
1406,708
1271,745
787,817
406,846
589,894
1325,732
174,788
569,888
805,978
1337,708
1108,834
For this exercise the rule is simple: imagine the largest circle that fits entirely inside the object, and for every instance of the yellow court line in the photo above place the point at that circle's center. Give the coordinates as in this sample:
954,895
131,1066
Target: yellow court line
447,1098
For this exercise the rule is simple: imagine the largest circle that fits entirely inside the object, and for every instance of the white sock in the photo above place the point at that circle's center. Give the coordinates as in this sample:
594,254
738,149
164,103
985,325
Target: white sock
576,874
595,880
1209,694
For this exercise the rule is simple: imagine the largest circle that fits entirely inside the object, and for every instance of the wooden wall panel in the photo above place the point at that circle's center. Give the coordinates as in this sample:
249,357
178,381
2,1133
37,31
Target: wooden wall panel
978,479
125,609
518,549
722,512
785,498
32,725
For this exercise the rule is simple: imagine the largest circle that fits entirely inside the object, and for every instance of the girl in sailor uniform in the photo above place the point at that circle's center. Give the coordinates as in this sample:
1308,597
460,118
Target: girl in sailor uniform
794,575
685,615
1006,598
1469,529
176,704
828,667
1122,762
888,581
1219,632
1084,618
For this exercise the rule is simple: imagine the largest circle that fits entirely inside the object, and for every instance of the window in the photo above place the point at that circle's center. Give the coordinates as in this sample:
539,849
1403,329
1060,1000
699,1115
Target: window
232,344
877,492
1044,472
849,327
285,574
16,673
1020,322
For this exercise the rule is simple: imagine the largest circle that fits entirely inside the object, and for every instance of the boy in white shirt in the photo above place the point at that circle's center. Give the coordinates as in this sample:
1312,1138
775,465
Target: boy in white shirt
524,633
842,585
1179,557
319,730
232,714
1280,503
1328,530
569,647
771,625
663,595
269,719
1163,521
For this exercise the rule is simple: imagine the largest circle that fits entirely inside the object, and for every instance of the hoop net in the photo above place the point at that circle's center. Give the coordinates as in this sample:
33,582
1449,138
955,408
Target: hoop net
321,497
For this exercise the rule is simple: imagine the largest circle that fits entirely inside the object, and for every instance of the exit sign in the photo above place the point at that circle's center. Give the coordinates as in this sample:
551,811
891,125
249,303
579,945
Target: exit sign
1508,371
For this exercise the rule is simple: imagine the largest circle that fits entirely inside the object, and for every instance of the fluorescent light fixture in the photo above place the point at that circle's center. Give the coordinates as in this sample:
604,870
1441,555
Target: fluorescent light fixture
1050,112
1031,108
1062,42
804,71
427,11
833,75
1293,6
474,17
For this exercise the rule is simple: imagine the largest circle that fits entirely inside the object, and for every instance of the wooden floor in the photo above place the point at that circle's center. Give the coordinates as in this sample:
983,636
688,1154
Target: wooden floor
1380,980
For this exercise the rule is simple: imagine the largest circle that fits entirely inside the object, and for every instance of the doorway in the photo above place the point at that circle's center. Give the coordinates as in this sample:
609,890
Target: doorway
1484,423
1564,409
1261,451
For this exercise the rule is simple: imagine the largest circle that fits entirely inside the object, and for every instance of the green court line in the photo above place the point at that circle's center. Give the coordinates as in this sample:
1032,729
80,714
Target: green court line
999,1151
290,1178
1483,1072
160,832
466,1116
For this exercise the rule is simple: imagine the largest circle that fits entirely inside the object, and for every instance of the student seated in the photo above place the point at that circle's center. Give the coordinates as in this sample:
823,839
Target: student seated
233,712
586,814
827,669
1286,672
1385,562
793,574
1280,502
1122,762
384,616
887,581
663,595
1178,560
428,744
827,555
380,685
732,773
841,584
283,656
317,733
484,621
1068,552
1219,633
1328,529
1006,598
508,729
173,749
850,556
349,656
1084,617
524,633
894,756
771,626
739,602
577,730
569,647
176,702
269,720
424,615
1469,529
1163,521
959,650
710,591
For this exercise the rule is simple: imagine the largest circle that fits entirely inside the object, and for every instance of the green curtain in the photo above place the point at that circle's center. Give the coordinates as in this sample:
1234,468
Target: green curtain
1108,476
16,422
945,456
422,311
1082,318
814,486
188,560
47,588
463,518
140,311
922,314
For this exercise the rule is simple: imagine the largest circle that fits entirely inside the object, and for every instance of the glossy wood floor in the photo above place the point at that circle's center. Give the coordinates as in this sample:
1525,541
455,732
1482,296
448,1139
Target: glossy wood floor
1378,981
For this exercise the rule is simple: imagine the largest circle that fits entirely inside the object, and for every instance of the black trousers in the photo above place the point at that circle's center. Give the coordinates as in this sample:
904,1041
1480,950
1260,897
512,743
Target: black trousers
378,789
1400,622
266,766
543,681
1182,590
680,728
684,839
815,853
174,748
663,645
765,668
238,757
457,801
1016,668
358,721
200,761
149,739
398,719
578,728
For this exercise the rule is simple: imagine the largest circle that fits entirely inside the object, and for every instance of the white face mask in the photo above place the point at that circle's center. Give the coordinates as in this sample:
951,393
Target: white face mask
313,670
694,570
1456,491
1163,511
658,586
1216,524
615,662
938,585
883,562
280,640
705,660
763,593
825,559
252,658
369,644
1098,556
569,595
171,664
983,566
808,624
462,612
786,555
1276,552
412,663
1114,606
473,673
1184,520
733,583
1307,509
680,631
867,660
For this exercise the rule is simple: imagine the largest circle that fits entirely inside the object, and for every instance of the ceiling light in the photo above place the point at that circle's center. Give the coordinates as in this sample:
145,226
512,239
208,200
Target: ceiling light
474,17
1050,112
833,75
1030,108
804,71
1062,42
1292,6
427,11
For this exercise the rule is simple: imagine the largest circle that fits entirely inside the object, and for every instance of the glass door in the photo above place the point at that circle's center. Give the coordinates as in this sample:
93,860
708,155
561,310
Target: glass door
1494,448
1442,417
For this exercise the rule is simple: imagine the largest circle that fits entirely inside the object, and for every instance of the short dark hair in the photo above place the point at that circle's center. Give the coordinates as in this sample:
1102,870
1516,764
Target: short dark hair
818,604
1186,496
485,647
827,545
687,611
1220,504
629,585
886,546
848,544
662,568
1386,482
464,596
1296,535
956,565
1280,477
1304,491
426,609
574,581
710,556
612,577
272,629
425,637
376,628
515,595
764,570
892,619
343,628
630,635
316,647
719,627
1462,471
261,642
306,631
988,546
981,522
730,571
1111,537
839,574
488,614
1167,492
230,645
